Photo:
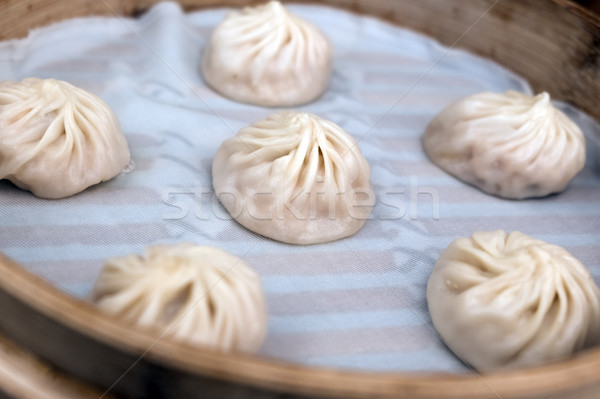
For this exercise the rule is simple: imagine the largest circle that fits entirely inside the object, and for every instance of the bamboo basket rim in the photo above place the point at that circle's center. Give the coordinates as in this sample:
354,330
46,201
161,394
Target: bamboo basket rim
262,372
275,375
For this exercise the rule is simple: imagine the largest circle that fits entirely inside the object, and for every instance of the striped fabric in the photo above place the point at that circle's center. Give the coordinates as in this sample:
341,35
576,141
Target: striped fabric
356,303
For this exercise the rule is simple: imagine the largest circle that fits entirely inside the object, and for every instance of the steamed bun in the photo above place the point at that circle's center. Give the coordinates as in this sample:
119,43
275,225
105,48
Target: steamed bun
196,294
511,145
294,177
56,139
267,56
504,301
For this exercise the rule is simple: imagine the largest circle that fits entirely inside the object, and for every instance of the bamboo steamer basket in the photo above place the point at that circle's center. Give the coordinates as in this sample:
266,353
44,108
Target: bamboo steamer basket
73,350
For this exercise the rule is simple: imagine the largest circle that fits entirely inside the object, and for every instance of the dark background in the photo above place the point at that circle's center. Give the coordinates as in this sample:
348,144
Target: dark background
593,5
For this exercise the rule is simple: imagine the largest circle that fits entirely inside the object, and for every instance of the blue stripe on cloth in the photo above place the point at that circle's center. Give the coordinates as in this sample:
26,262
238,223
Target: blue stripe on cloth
342,321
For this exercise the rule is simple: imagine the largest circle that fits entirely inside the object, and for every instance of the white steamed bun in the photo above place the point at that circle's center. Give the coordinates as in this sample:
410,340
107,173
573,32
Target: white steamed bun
267,56
511,145
294,177
196,294
56,139
505,301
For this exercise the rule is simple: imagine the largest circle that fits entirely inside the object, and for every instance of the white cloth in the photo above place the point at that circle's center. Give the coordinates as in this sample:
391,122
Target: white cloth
354,303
